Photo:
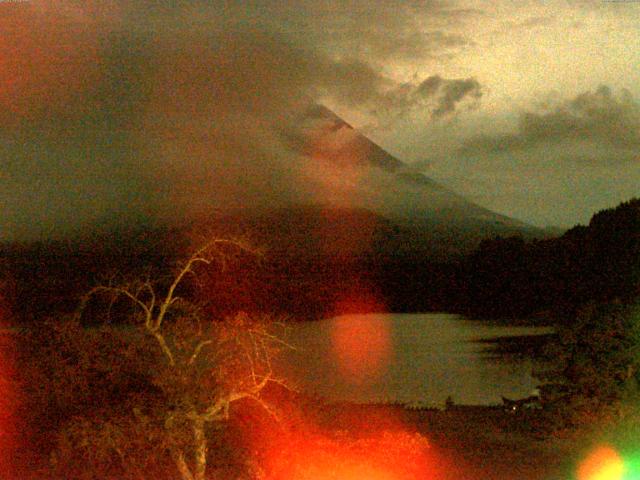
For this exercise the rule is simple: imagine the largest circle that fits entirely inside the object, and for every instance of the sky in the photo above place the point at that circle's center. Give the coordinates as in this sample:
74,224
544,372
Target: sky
114,112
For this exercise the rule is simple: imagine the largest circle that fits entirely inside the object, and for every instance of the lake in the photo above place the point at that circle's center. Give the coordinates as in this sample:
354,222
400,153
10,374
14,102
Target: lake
407,358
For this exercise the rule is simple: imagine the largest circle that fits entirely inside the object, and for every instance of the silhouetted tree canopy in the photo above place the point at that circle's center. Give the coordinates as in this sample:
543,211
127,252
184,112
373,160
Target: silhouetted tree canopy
599,262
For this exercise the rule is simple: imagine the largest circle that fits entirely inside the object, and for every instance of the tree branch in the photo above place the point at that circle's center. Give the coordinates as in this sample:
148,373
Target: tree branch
196,351
183,468
164,346
116,291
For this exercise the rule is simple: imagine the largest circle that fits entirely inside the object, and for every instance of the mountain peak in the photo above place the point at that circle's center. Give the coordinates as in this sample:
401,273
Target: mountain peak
381,182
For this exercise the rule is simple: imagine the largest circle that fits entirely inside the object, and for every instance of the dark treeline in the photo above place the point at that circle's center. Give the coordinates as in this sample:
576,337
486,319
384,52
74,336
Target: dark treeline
42,279
600,262
503,278
49,279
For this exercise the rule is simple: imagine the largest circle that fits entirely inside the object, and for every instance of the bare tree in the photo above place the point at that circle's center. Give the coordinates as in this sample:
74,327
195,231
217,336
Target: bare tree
203,365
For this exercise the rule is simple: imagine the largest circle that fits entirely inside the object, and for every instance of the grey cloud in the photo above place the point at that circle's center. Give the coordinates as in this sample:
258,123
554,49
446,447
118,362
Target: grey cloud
372,31
429,86
435,97
592,117
254,55
447,93
454,91
597,115
171,110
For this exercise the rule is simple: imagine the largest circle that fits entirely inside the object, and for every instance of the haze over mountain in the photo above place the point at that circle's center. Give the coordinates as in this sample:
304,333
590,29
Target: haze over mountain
358,173
314,176
159,112
359,199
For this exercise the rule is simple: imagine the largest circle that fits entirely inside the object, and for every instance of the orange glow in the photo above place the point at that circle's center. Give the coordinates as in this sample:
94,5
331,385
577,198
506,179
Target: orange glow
46,62
362,346
604,463
387,456
340,470
338,161
7,399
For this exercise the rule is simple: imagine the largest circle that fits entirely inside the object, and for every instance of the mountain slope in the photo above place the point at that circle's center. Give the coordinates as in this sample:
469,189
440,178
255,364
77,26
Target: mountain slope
359,173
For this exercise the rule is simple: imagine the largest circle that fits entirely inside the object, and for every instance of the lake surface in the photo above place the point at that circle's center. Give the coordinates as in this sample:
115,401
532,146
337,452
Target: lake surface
408,358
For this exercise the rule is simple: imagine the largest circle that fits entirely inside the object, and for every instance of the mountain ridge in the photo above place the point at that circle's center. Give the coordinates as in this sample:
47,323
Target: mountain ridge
323,136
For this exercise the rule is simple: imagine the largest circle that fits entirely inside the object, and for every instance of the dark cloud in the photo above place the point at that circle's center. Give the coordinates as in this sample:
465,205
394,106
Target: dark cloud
373,31
453,92
430,86
158,109
592,117
445,94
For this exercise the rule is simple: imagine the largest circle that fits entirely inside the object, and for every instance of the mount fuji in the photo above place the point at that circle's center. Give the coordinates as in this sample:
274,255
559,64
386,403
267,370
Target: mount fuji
362,198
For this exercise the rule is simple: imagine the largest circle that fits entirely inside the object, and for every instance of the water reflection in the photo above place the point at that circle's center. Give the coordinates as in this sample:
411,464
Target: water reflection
429,357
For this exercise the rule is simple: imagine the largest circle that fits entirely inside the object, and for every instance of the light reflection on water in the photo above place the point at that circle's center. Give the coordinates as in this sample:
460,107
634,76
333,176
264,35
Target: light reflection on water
431,356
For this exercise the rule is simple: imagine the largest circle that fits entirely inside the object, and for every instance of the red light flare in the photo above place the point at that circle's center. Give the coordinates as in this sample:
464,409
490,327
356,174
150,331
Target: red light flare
316,441
315,455
603,463
361,344
8,396
337,164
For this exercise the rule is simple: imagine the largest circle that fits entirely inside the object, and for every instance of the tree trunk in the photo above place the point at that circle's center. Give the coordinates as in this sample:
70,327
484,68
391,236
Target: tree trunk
200,444
183,468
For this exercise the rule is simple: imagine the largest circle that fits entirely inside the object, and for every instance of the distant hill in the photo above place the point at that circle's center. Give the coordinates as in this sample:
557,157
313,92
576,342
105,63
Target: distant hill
598,262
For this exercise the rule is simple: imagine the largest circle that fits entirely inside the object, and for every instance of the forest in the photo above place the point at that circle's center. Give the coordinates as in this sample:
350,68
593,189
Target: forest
598,262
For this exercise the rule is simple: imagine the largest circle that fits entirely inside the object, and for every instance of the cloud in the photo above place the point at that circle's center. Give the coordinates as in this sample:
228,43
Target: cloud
564,160
377,32
590,119
124,110
448,93
431,99
238,55
438,96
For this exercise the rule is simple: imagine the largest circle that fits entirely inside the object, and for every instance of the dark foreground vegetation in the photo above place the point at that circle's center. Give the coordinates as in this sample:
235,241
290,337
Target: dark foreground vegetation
163,369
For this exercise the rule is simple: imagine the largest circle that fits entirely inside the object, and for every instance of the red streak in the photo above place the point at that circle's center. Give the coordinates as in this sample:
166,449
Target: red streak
361,345
8,435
